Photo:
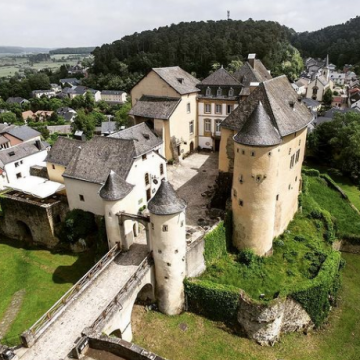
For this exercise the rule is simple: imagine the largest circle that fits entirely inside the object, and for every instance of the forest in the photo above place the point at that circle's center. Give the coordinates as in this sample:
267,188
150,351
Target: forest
78,50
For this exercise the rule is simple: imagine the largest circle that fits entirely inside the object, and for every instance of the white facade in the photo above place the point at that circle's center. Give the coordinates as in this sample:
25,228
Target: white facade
210,116
116,97
40,93
337,78
20,169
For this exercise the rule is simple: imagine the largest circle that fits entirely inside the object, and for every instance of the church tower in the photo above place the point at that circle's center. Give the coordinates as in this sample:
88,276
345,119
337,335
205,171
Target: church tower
326,69
168,242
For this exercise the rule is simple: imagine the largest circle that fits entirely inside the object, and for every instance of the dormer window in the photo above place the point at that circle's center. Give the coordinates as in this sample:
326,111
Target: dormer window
208,91
231,92
180,80
219,92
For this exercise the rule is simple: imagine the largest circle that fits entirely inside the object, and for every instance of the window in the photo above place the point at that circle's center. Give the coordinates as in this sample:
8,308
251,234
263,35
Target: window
144,157
152,226
241,202
299,142
148,194
207,108
217,125
191,127
207,125
243,152
147,182
181,224
289,151
218,109
18,175
231,92
21,161
234,193
53,166
241,180
165,228
297,156
188,108
161,169
81,197
208,91
277,197
17,164
258,178
292,161
253,153
229,109
289,186
219,92
269,153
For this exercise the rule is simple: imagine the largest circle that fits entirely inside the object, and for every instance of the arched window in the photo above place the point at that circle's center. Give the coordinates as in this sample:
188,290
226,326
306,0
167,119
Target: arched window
231,92
208,91
147,181
219,92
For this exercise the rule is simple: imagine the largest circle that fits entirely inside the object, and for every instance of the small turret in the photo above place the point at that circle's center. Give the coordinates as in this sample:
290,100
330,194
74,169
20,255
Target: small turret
168,242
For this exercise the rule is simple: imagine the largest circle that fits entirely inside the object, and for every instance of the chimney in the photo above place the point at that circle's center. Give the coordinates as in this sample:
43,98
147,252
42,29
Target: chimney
38,144
251,60
253,86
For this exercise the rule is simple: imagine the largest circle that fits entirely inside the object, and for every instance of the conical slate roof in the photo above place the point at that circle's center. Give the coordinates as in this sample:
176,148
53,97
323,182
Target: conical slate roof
258,129
115,188
166,201
220,77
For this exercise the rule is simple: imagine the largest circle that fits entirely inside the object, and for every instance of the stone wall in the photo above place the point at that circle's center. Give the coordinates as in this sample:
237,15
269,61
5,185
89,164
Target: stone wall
121,348
195,261
264,323
30,220
39,171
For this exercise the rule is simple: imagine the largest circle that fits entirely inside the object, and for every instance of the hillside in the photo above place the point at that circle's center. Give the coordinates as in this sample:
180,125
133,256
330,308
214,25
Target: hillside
18,50
195,46
70,50
341,42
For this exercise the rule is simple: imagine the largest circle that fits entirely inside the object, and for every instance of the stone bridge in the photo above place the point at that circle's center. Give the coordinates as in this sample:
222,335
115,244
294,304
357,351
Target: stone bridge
101,302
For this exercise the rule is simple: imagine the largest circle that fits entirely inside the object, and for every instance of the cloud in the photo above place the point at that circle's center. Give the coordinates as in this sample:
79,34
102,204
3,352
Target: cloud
45,23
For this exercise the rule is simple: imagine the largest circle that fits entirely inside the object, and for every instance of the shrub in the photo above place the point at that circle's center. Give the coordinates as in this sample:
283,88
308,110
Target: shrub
299,238
247,257
78,224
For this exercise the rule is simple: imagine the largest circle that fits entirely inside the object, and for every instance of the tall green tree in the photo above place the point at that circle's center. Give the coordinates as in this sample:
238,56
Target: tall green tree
85,123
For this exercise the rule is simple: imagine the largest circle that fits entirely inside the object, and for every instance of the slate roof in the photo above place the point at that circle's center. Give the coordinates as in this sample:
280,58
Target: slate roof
166,201
180,80
115,188
281,104
5,127
98,156
16,100
155,107
220,77
20,151
247,74
3,140
63,151
330,113
81,90
310,102
258,130
70,81
144,139
108,127
23,133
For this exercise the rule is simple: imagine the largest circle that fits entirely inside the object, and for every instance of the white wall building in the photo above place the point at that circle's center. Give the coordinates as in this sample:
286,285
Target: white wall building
114,96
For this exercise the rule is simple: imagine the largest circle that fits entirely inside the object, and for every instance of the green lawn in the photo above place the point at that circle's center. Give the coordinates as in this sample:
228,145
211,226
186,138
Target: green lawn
204,339
44,276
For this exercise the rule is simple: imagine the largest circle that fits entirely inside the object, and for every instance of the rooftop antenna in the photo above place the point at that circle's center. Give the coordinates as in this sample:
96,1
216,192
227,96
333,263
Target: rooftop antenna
228,14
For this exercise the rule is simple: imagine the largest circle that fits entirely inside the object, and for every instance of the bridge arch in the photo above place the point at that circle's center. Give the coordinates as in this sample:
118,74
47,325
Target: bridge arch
24,231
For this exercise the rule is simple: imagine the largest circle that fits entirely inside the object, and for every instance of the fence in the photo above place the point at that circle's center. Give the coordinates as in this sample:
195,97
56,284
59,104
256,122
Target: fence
29,337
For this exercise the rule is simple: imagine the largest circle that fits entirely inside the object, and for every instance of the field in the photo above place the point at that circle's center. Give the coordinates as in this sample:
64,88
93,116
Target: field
32,280
10,64
191,337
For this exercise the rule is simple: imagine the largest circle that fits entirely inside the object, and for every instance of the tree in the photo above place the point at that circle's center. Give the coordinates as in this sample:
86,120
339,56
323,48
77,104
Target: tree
327,98
8,118
85,123
122,116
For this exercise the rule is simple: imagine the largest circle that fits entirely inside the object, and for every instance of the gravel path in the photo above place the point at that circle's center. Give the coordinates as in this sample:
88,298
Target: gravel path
60,337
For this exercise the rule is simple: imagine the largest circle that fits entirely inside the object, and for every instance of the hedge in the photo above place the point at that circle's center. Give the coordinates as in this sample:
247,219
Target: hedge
215,244
311,172
214,301
317,295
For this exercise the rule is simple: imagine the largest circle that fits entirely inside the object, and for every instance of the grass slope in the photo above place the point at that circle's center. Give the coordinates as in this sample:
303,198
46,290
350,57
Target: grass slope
204,339
44,275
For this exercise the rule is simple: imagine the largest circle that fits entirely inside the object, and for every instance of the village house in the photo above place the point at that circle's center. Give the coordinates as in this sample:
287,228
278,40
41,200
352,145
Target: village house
16,100
67,113
113,96
19,134
15,162
55,87
339,101
82,90
219,95
337,78
40,93
69,82
166,99
317,87
300,86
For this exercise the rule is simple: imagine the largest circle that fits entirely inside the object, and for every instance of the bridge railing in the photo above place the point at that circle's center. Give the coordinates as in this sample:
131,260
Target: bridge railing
29,337
115,303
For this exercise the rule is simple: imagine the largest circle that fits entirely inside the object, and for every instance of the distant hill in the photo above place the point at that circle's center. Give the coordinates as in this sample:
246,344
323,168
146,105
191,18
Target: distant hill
341,42
195,46
17,50
78,50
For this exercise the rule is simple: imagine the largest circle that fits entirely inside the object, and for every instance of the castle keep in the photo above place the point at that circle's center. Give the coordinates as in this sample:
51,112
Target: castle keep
268,150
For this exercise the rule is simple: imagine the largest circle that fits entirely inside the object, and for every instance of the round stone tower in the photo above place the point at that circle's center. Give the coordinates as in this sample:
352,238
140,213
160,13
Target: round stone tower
113,192
168,242
254,191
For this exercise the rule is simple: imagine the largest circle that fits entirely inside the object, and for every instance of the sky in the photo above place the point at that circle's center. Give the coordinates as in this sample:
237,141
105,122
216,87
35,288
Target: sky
71,23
